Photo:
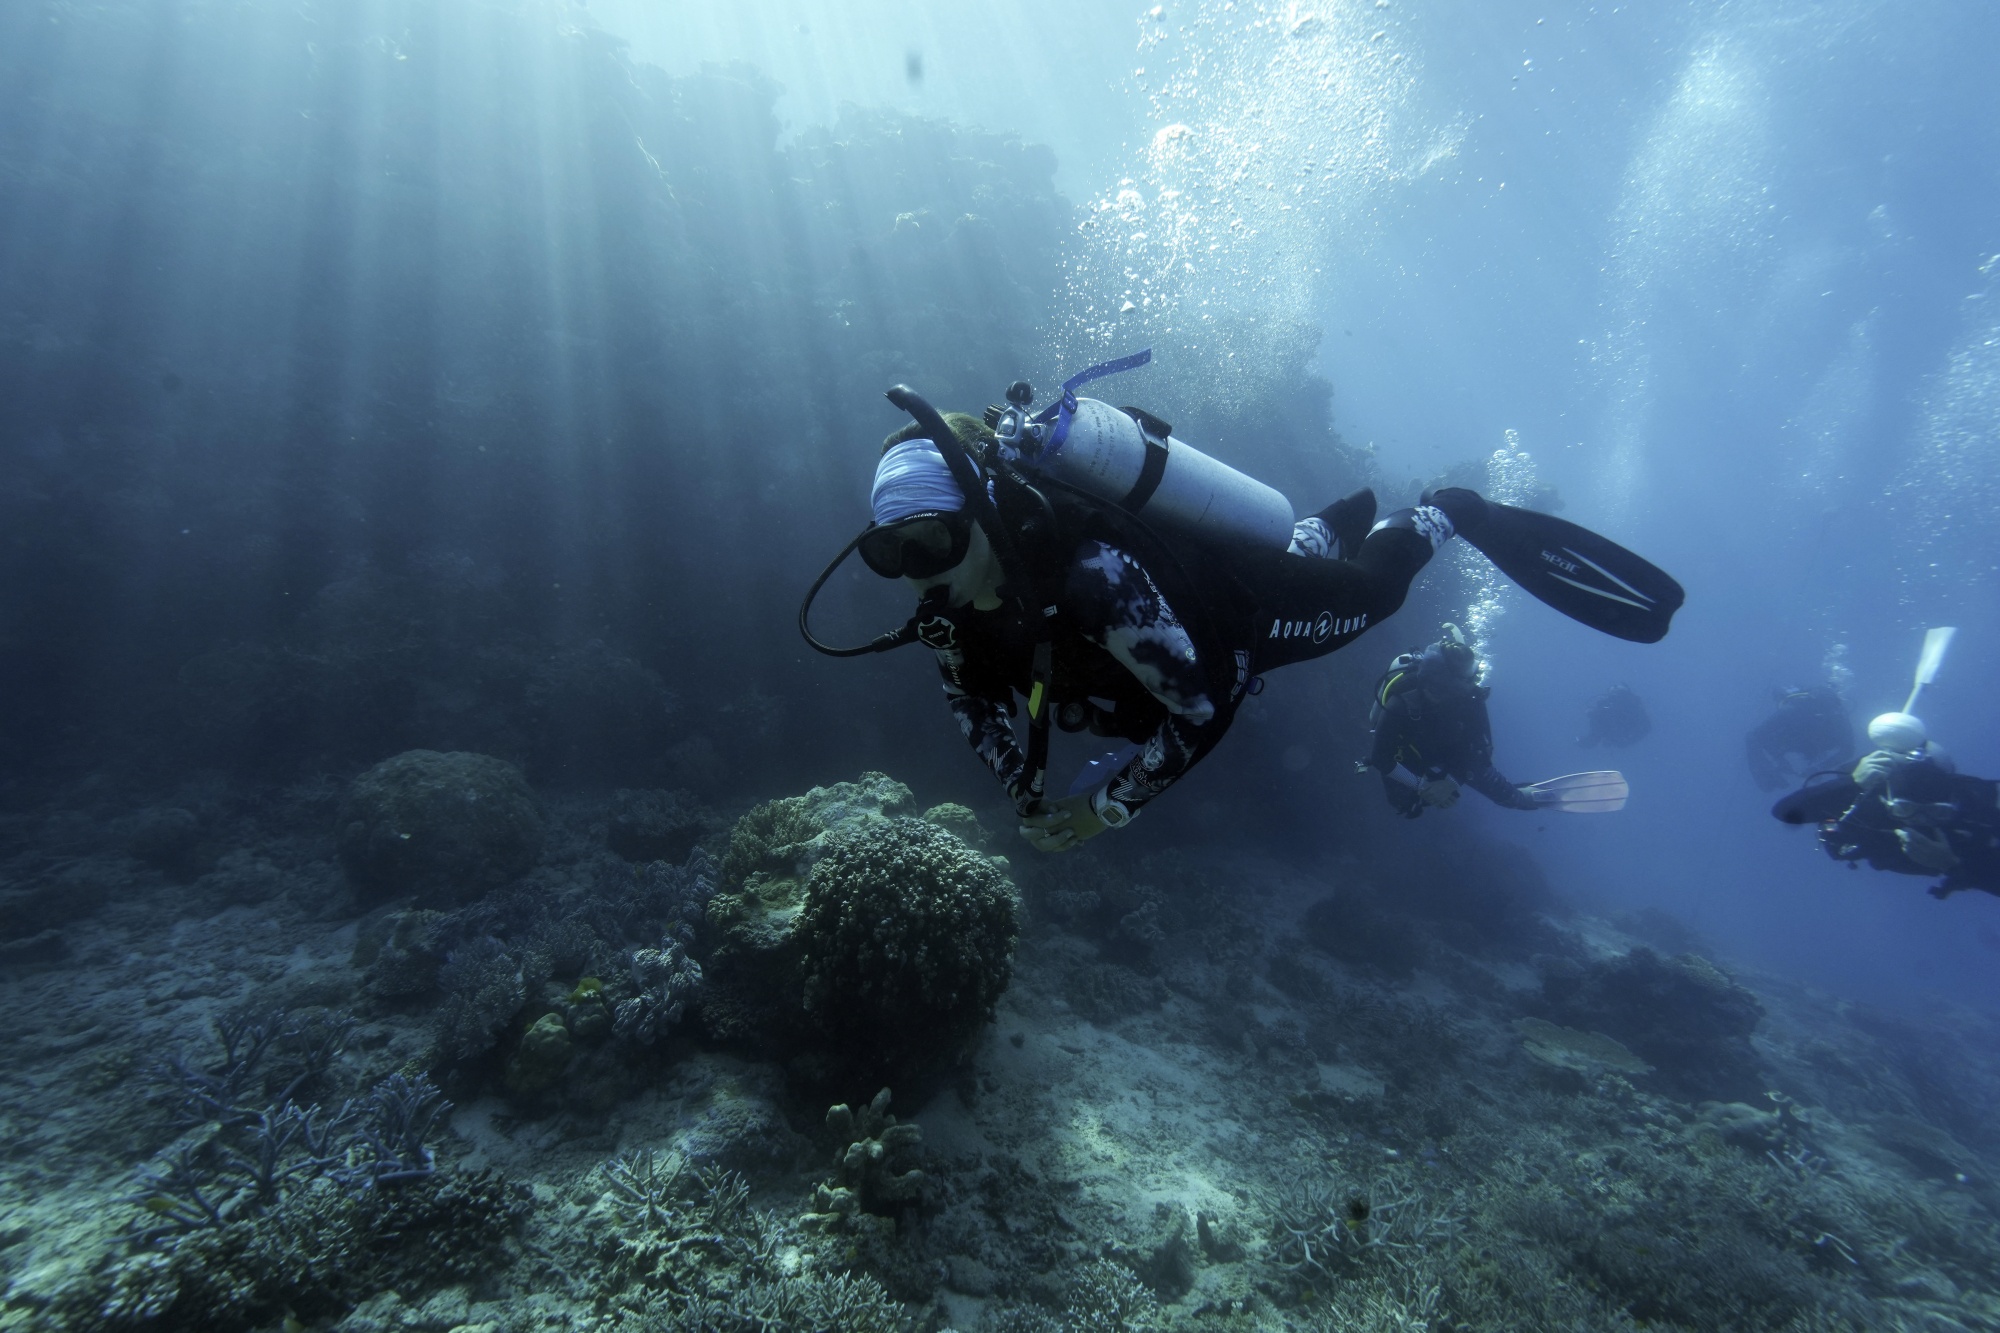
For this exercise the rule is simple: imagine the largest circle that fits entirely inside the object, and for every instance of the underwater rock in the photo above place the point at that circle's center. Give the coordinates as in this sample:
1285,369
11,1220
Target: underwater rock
969,1277
906,941
39,908
541,1058
1929,1149
400,954
1103,993
168,839
242,878
877,1164
441,828
655,825
1684,1016
1169,1268
37,950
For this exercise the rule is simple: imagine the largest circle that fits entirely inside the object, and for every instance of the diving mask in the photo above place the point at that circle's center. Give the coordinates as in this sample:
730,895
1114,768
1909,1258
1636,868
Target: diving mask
921,546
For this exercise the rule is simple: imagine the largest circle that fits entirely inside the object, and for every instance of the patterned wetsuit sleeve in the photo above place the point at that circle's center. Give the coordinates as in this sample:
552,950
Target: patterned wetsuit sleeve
988,726
1117,606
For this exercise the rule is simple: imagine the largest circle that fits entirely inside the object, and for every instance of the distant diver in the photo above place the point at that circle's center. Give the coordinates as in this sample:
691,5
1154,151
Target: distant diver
1128,585
1430,723
1616,718
1808,732
1906,809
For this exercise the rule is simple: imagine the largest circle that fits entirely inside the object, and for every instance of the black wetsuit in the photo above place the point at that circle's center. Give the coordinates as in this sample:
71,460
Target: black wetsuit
1808,731
1447,736
1159,648
1922,795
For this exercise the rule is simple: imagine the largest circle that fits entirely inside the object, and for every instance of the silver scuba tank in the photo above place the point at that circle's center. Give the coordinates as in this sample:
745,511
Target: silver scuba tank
1167,483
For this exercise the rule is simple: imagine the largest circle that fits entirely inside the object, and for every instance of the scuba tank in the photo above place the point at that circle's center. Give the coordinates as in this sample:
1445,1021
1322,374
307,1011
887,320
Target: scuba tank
1130,459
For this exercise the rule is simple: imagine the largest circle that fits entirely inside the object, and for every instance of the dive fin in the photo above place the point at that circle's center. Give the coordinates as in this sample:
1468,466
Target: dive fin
1582,793
1588,578
1936,641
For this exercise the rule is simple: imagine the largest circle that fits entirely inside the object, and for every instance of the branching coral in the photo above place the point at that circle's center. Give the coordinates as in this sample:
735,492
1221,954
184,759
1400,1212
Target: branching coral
703,1258
246,1166
1321,1232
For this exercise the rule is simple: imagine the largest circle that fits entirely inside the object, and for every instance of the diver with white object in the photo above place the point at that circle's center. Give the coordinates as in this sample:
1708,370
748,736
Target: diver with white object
1432,735
1127,584
1905,807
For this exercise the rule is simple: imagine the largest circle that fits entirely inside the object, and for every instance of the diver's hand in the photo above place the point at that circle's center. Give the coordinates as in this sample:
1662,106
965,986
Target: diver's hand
1438,793
1874,769
1928,852
1060,825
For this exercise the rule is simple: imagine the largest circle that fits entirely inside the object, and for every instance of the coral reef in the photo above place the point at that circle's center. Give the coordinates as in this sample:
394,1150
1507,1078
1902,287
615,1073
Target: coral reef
1684,1016
439,828
754,969
665,980
877,1163
691,1252
1193,1115
906,941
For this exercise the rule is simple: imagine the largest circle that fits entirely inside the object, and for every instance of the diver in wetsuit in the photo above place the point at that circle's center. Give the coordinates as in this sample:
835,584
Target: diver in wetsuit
1430,721
1906,809
1037,584
1809,731
1147,647
1617,717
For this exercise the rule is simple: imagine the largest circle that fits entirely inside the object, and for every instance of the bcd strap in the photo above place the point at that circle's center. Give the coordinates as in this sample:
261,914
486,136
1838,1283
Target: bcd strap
1039,711
1063,410
1150,473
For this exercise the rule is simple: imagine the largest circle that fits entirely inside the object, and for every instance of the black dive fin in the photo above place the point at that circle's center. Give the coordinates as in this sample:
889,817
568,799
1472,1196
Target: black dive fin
1586,577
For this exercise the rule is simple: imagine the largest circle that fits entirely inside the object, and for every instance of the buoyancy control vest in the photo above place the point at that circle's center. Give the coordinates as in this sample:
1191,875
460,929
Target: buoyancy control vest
1051,527
1452,729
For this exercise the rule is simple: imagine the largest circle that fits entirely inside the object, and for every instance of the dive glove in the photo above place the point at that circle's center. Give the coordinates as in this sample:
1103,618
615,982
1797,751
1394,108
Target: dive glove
1060,825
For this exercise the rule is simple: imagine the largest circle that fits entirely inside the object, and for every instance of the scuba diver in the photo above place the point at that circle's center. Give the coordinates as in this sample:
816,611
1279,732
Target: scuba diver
1429,717
1808,732
1617,717
1124,583
1905,808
